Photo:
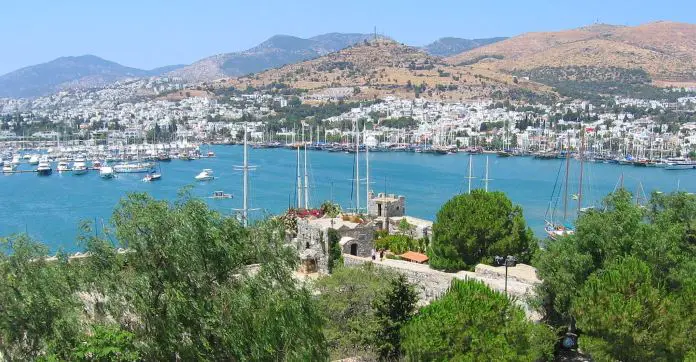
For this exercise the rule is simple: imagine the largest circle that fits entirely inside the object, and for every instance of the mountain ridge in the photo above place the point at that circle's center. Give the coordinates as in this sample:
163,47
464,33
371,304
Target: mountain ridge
69,72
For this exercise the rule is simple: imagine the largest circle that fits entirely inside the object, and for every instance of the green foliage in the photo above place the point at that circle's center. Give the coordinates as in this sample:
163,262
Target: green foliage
38,306
107,343
335,253
399,244
394,309
474,228
401,122
349,300
330,209
472,322
183,290
626,276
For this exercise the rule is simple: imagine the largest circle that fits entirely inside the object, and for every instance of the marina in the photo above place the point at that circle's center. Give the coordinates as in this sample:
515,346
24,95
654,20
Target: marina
51,208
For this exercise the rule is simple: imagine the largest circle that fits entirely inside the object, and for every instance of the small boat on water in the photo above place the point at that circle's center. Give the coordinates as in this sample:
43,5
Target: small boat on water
80,166
106,172
555,231
16,160
133,167
504,154
63,166
44,167
8,167
218,195
164,157
33,159
96,164
211,154
205,175
152,177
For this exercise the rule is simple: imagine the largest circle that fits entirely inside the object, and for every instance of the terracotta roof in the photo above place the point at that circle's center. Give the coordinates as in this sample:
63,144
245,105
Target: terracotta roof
415,257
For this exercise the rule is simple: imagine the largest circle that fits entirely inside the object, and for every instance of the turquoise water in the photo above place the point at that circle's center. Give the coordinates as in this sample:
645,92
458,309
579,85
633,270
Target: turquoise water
51,208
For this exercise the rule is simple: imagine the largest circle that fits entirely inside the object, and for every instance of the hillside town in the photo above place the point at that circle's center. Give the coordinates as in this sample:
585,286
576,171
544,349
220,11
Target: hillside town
127,112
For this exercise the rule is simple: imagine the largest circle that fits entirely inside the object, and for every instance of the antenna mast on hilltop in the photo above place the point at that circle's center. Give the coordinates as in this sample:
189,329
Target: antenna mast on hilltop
375,32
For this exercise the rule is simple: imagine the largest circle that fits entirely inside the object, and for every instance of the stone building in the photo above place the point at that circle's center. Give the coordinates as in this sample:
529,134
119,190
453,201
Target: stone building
386,206
389,210
312,241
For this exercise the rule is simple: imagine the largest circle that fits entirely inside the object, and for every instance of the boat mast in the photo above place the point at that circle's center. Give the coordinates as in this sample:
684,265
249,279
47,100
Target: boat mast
565,185
471,161
299,180
582,144
306,177
367,168
357,166
245,204
486,179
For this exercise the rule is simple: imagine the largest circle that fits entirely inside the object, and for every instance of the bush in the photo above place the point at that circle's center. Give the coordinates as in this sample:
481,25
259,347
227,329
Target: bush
472,322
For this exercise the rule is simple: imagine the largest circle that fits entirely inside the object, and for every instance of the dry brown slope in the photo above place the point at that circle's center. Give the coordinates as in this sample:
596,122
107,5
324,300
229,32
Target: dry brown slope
666,50
388,68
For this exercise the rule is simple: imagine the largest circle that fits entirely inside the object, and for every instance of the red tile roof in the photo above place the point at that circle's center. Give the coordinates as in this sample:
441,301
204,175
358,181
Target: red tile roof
415,257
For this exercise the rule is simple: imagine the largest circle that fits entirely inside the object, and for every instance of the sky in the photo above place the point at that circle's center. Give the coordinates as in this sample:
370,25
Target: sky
151,33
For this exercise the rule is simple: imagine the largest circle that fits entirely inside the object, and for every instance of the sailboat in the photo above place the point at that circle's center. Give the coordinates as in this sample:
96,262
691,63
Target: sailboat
156,175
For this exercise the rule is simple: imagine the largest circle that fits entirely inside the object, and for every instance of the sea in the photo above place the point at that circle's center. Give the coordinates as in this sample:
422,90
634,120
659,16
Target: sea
51,208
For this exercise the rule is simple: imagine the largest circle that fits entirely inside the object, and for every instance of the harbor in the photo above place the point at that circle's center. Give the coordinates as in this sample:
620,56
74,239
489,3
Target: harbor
50,208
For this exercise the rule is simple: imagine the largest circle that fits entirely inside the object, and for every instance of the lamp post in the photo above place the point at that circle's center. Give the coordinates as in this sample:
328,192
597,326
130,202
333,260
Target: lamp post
508,262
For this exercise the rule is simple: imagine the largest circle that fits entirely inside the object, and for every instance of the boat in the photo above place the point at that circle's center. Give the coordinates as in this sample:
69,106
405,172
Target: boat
205,175
152,177
63,166
44,167
34,160
218,195
8,167
79,167
680,165
16,160
106,172
554,231
211,154
96,164
504,154
164,157
133,167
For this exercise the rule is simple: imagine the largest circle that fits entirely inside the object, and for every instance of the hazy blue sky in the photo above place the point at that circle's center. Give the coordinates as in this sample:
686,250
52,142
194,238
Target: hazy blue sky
151,33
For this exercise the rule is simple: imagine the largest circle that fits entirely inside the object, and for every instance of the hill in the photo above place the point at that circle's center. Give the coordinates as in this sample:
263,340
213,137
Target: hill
84,71
666,51
277,51
447,46
384,67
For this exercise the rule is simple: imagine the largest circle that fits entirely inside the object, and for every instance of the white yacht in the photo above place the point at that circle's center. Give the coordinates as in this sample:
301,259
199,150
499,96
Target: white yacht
80,166
16,160
34,160
44,168
8,166
205,175
63,166
133,167
106,171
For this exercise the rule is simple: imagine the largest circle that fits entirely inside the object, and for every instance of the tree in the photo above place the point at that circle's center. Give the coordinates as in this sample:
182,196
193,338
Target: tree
626,278
394,309
335,253
472,322
186,288
474,228
349,300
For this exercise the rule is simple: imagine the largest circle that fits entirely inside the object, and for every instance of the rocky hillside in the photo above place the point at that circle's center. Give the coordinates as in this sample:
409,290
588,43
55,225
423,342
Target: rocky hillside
445,47
665,50
85,71
384,67
277,51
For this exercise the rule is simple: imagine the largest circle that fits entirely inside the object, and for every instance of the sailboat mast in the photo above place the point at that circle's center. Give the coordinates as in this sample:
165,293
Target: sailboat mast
357,167
565,185
245,204
582,164
367,169
486,179
306,179
471,160
299,180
